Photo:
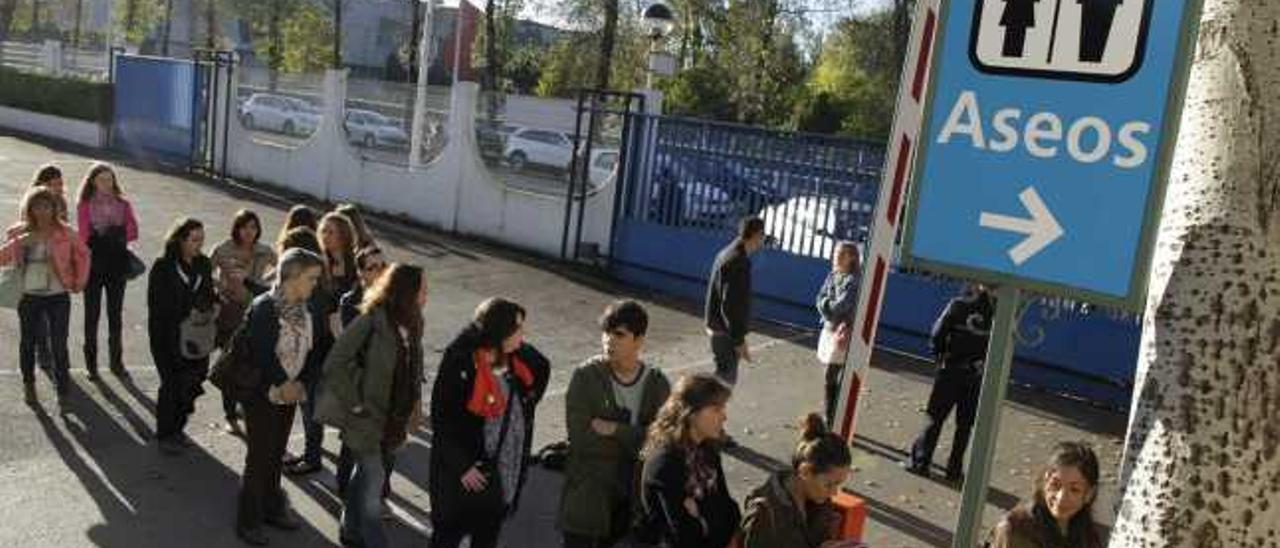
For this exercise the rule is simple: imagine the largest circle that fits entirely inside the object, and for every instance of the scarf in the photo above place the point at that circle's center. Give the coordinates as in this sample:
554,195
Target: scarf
294,314
703,476
486,397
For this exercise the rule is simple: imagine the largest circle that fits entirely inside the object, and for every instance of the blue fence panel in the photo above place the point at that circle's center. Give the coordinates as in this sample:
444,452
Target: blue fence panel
156,107
692,180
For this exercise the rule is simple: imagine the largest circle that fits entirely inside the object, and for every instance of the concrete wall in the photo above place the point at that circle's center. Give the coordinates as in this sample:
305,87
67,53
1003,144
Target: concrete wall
453,192
80,132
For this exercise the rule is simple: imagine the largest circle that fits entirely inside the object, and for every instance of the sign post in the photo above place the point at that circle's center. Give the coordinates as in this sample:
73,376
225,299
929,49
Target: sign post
995,380
1041,164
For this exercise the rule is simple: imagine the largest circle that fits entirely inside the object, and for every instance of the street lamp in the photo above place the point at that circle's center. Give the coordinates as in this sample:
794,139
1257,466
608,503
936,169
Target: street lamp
659,22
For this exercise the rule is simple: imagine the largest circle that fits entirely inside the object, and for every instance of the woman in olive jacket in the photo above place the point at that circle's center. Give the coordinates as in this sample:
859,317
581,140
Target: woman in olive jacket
372,391
485,369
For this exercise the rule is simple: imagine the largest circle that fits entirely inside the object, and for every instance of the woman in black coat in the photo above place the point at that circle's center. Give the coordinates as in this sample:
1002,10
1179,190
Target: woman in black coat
480,443
180,283
685,500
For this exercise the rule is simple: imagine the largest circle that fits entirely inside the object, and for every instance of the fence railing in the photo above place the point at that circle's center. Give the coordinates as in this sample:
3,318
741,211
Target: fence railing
54,58
812,190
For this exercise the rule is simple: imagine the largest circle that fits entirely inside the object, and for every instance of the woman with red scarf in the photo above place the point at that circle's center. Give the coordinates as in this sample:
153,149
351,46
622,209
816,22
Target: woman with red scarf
482,414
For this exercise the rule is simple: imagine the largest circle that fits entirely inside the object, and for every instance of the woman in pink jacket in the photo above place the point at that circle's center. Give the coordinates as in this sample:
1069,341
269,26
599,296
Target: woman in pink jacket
107,226
53,263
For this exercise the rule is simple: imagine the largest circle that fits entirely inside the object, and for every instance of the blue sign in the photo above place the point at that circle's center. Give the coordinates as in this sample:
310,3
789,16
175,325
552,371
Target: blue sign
1046,141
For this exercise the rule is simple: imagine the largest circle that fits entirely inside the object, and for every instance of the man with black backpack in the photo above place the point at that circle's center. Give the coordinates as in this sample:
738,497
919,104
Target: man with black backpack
959,341
611,401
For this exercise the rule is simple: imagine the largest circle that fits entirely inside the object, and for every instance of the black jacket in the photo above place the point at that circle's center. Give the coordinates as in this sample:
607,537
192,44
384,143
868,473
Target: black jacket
663,515
264,335
170,300
728,305
961,332
457,435
349,306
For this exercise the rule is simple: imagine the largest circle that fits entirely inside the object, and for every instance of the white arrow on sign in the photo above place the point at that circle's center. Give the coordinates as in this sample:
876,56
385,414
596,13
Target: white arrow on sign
1041,229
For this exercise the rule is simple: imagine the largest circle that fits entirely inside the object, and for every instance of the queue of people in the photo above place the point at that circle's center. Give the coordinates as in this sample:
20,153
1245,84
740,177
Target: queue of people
333,332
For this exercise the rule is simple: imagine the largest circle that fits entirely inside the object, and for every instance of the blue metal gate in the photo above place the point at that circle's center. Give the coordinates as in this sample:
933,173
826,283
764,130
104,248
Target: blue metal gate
157,108
692,180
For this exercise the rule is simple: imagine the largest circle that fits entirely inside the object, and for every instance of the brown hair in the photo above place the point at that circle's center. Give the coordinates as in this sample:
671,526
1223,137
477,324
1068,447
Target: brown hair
1076,455
674,424
345,231
242,218
820,447
88,189
299,238
36,195
46,173
396,291
366,253
495,320
298,216
178,233
352,213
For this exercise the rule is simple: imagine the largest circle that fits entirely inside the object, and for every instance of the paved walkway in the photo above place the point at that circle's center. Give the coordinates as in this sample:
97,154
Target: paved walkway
92,478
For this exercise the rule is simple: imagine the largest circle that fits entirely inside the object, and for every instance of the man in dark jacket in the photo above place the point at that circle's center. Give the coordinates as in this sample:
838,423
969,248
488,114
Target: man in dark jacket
612,400
728,305
959,340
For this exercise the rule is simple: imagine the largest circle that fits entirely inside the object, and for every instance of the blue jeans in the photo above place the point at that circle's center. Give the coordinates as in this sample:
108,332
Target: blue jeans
362,511
44,320
313,429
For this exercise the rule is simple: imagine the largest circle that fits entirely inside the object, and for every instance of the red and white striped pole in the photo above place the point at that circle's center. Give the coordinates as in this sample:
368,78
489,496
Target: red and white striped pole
888,211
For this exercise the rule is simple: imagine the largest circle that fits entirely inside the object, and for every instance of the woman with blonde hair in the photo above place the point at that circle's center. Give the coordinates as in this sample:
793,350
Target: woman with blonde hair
53,263
107,225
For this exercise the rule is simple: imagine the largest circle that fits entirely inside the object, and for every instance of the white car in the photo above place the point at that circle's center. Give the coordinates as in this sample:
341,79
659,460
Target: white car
541,147
371,129
604,166
288,115
813,225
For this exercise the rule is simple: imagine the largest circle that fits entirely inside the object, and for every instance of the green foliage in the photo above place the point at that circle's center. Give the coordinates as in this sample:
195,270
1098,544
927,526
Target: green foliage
567,66
308,35
703,91
854,80
524,70
63,96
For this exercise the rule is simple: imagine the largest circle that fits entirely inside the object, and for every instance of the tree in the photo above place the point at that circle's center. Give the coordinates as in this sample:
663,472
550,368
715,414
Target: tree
1202,456
7,10
309,34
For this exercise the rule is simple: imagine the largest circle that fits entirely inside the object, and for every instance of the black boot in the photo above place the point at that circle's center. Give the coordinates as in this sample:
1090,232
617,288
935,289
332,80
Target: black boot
116,348
91,359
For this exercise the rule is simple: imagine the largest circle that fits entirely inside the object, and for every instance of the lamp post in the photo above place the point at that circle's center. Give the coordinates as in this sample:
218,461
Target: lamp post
658,23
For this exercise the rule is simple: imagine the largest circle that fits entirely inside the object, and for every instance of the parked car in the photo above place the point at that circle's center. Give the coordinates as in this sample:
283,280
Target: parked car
680,193
491,138
371,129
538,147
604,166
813,225
271,112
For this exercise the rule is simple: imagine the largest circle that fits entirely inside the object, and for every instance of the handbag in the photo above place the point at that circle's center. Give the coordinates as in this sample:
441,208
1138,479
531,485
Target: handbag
234,372
833,343
11,286
490,500
198,333
135,266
